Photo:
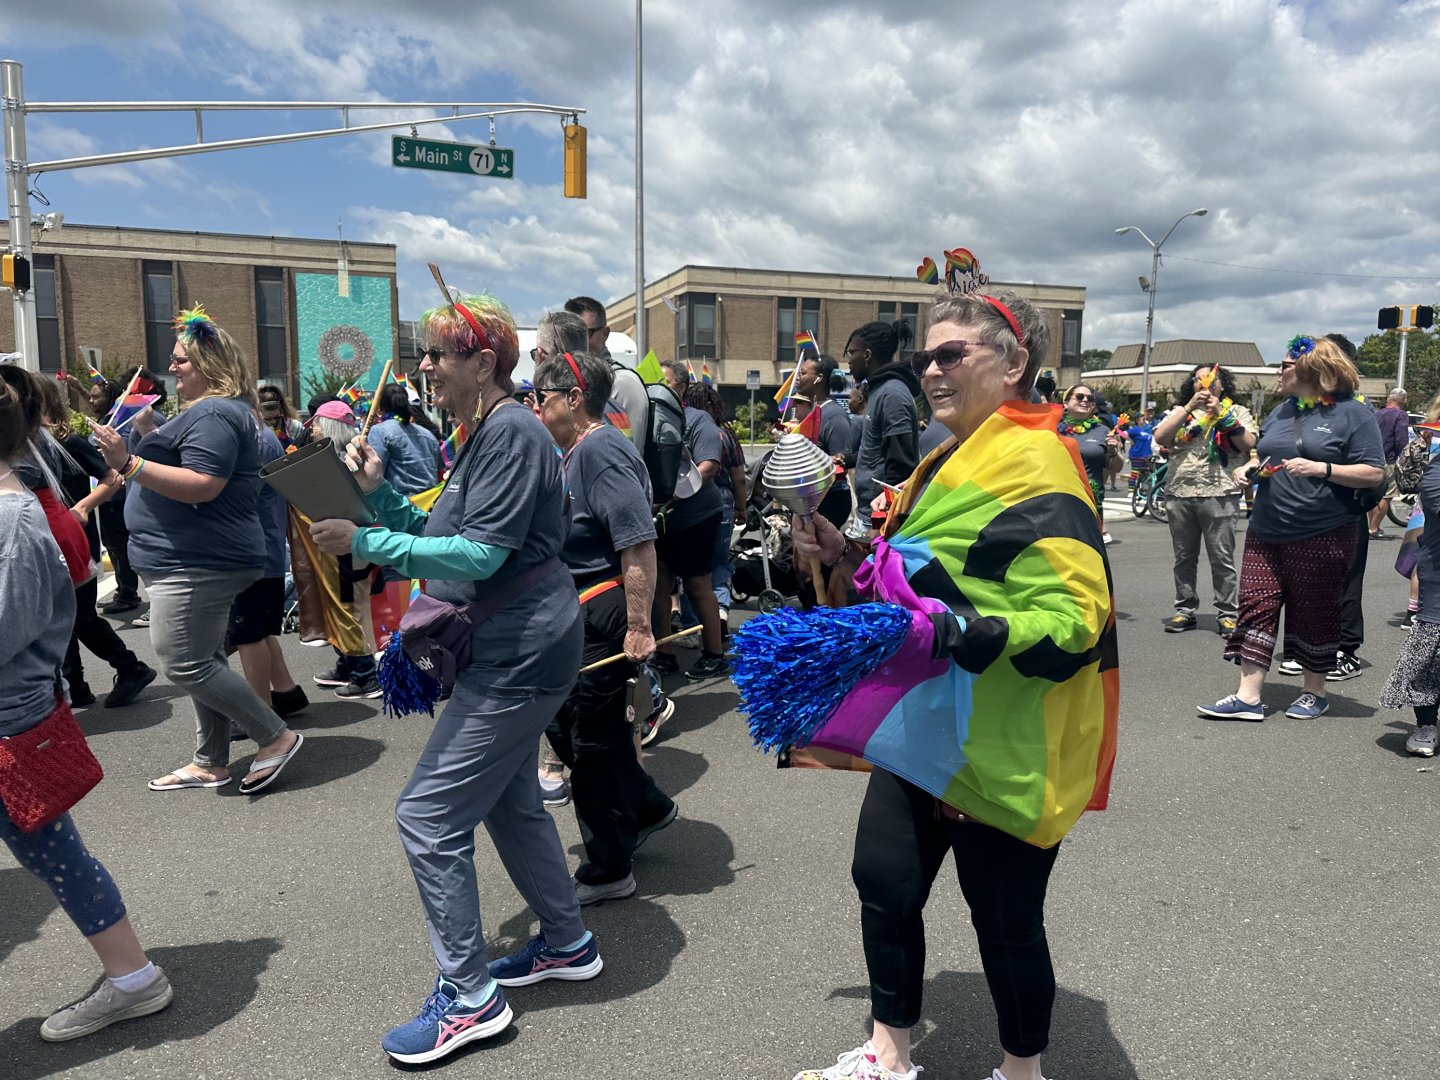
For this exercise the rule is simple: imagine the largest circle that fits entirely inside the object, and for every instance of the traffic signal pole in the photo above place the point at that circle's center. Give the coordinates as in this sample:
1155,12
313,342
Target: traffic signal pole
1400,370
1419,317
17,197
18,169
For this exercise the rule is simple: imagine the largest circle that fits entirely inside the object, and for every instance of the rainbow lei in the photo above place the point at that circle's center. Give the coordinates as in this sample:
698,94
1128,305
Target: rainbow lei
1302,404
1215,431
194,326
1071,428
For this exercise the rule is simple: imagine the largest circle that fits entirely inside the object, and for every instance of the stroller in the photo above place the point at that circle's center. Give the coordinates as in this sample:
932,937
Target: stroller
763,565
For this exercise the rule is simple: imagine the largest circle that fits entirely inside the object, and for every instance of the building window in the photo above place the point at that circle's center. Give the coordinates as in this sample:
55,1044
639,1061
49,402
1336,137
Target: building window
159,314
270,322
47,311
695,326
1070,337
793,315
909,314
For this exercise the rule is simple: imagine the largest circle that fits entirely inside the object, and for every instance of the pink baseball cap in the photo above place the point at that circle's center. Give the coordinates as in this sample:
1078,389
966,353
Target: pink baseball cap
335,410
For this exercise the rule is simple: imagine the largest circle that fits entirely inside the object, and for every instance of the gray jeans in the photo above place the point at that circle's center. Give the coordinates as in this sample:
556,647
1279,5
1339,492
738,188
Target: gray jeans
189,611
1213,519
479,769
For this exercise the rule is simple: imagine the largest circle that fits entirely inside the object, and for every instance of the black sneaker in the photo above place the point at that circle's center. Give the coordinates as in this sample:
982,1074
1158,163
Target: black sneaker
1408,623
118,604
81,695
708,667
1179,623
1347,666
646,831
665,664
128,684
369,689
331,678
288,702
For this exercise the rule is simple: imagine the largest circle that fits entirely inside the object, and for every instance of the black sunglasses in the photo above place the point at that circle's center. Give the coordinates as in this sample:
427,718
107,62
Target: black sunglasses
944,356
541,391
1082,397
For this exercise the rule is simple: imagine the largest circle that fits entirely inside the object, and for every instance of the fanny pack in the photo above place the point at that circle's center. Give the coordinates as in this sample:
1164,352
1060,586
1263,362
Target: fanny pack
432,645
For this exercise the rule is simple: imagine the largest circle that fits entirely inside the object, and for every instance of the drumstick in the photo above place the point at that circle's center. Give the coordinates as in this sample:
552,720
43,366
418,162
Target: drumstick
375,400
621,656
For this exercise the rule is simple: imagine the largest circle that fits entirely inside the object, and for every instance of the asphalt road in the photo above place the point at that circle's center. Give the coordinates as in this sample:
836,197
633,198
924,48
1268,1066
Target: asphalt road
1257,902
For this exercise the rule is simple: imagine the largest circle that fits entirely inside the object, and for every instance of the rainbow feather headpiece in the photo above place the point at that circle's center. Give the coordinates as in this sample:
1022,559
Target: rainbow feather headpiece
196,327
962,272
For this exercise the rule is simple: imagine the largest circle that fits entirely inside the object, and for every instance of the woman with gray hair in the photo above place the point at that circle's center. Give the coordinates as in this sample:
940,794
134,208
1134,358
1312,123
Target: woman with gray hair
610,552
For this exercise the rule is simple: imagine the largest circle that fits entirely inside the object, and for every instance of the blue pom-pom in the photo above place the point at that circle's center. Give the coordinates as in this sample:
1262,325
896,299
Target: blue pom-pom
406,688
792,668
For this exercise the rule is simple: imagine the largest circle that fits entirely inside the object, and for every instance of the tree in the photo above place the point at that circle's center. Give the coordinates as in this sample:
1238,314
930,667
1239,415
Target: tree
1094,358
1379,358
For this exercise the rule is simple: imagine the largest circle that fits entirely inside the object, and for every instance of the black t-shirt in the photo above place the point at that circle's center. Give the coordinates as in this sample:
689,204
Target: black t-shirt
609,497
1291,508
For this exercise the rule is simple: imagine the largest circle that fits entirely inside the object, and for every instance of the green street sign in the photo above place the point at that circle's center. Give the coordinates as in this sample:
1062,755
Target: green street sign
410,153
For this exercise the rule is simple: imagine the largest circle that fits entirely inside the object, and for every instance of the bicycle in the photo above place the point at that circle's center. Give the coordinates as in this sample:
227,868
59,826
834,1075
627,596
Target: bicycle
1148,496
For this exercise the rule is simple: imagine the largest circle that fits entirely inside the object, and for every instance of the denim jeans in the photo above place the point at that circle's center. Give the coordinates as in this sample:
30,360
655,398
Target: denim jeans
189,611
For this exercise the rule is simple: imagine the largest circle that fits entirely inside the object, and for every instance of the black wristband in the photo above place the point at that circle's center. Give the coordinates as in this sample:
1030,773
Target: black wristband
1327,470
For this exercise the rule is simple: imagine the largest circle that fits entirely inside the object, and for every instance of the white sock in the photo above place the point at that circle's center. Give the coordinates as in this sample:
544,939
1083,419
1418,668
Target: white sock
475,1000
136,980
581,940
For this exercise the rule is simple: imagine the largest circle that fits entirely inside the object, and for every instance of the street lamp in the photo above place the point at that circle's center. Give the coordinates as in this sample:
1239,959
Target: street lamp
1151,287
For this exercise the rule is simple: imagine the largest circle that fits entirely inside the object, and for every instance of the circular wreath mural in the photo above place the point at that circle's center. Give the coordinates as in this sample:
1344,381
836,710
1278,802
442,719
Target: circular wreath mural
346,351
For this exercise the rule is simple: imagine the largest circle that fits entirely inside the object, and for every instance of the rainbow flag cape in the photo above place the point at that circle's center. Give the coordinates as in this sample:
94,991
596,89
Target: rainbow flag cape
649,369
705,376
805,340
1004,535
131,406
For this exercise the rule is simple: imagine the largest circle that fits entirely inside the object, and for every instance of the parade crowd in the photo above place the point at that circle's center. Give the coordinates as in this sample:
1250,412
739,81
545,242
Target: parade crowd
565,534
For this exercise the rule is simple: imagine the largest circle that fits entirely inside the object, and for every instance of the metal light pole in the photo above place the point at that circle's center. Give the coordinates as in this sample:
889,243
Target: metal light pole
17,192
639,190
1154,287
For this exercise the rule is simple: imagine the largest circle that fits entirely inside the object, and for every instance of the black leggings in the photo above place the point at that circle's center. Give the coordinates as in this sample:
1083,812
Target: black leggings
1425,715
899,846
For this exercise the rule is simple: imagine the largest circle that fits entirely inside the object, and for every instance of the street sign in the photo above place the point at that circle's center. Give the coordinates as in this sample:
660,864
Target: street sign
752,379
411,153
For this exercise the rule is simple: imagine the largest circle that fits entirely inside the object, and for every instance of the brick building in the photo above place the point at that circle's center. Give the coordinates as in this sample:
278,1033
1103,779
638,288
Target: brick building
740,320
283,299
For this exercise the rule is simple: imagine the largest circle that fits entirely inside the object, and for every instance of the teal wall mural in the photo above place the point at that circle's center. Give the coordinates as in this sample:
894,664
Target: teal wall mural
346,335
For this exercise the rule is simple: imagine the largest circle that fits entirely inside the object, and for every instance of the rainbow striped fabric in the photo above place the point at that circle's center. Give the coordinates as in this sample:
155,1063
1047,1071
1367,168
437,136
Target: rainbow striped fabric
804,341
782,396
450,448
351,395
705,376
1004,535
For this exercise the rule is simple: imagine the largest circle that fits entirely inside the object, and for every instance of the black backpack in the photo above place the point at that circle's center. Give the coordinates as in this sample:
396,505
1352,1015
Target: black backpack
664,451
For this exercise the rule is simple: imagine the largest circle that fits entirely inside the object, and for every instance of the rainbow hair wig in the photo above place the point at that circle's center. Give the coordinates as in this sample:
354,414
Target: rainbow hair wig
194,327
447,329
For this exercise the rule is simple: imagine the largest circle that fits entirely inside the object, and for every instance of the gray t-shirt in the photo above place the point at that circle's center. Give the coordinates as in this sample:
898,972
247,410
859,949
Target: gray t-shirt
507,490
836,434
1291,508
1091,443
216,437
609,496
702,439
889,411
410,454
37,610
934,434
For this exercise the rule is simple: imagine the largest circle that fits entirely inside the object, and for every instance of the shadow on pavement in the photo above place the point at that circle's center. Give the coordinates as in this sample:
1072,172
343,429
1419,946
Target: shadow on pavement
213,983
700,706
28,903
687,858
322,759
957,1035
147,711
1392,739
674,770
475,1049
331,712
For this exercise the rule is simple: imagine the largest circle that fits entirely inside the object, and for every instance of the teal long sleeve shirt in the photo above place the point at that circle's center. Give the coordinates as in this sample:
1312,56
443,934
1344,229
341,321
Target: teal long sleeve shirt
397,542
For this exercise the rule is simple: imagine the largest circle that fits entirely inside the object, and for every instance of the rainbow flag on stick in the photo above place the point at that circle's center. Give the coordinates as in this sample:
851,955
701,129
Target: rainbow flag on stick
705,374
131,406
782,396
450,448
805,341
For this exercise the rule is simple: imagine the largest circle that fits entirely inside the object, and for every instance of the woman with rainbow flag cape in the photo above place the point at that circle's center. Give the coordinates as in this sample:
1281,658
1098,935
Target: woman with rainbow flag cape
990,721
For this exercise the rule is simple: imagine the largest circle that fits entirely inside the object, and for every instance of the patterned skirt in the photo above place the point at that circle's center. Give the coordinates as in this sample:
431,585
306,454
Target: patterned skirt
1416,678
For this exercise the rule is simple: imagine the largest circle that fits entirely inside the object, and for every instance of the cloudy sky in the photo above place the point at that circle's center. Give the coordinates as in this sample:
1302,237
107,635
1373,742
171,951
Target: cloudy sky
853,137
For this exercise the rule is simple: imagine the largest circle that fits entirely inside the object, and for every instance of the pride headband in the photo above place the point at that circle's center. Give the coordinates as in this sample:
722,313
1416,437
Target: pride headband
465,313
963,277
195,327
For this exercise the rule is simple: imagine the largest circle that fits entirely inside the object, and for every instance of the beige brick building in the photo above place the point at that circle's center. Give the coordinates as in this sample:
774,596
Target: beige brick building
116,290
740,320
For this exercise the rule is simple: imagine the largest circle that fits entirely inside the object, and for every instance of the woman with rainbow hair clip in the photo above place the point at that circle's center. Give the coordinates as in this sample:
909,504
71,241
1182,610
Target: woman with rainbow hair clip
196,540
491,543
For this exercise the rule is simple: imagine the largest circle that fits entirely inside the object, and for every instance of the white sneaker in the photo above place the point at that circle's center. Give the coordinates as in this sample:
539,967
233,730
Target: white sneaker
1423,741
858,1064
1291,667
1106,538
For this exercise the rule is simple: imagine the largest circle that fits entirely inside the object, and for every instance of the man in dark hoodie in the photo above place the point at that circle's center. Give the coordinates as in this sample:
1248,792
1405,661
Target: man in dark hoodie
888,444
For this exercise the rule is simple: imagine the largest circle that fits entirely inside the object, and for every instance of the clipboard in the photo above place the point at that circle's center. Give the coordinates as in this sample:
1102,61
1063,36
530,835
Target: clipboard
317,483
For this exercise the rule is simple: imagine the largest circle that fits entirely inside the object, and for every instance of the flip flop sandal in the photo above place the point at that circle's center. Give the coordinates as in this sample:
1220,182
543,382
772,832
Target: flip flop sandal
187,780
275,763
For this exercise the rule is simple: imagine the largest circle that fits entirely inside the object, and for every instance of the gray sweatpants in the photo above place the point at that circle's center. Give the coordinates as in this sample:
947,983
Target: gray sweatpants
1211,518
479,768
189,611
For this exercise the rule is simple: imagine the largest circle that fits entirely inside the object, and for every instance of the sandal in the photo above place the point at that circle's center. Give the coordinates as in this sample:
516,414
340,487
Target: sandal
187,780
273,763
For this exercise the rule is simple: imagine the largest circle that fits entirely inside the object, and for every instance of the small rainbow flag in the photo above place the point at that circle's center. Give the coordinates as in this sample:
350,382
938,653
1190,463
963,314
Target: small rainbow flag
782,396
351,396
450,448
806,340
705,376
95,376
131,406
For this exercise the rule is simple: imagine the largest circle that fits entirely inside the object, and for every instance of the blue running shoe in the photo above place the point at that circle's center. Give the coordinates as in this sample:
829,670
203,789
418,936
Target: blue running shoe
444,1025
1232,708
538,961
1307,707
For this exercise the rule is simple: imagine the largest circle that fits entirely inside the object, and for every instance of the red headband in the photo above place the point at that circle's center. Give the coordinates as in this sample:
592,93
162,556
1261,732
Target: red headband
480,336
1007,314
576,369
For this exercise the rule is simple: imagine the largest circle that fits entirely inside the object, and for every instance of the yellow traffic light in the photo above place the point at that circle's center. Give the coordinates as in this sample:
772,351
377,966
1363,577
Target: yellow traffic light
574,161
15,272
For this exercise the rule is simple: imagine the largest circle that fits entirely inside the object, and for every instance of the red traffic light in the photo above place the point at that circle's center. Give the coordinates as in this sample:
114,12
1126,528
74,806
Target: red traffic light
1389,318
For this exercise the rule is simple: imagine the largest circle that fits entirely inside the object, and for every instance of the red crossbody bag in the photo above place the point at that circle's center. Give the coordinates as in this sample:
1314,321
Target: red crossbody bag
46,770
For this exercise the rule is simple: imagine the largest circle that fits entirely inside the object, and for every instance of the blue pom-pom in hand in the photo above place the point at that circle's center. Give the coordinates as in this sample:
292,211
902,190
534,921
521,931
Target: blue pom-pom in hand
406,688
793,668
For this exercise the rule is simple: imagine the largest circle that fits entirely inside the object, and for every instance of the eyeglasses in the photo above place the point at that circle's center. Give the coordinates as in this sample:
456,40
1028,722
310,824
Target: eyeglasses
541,391
1286,365
944,356
1086,398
